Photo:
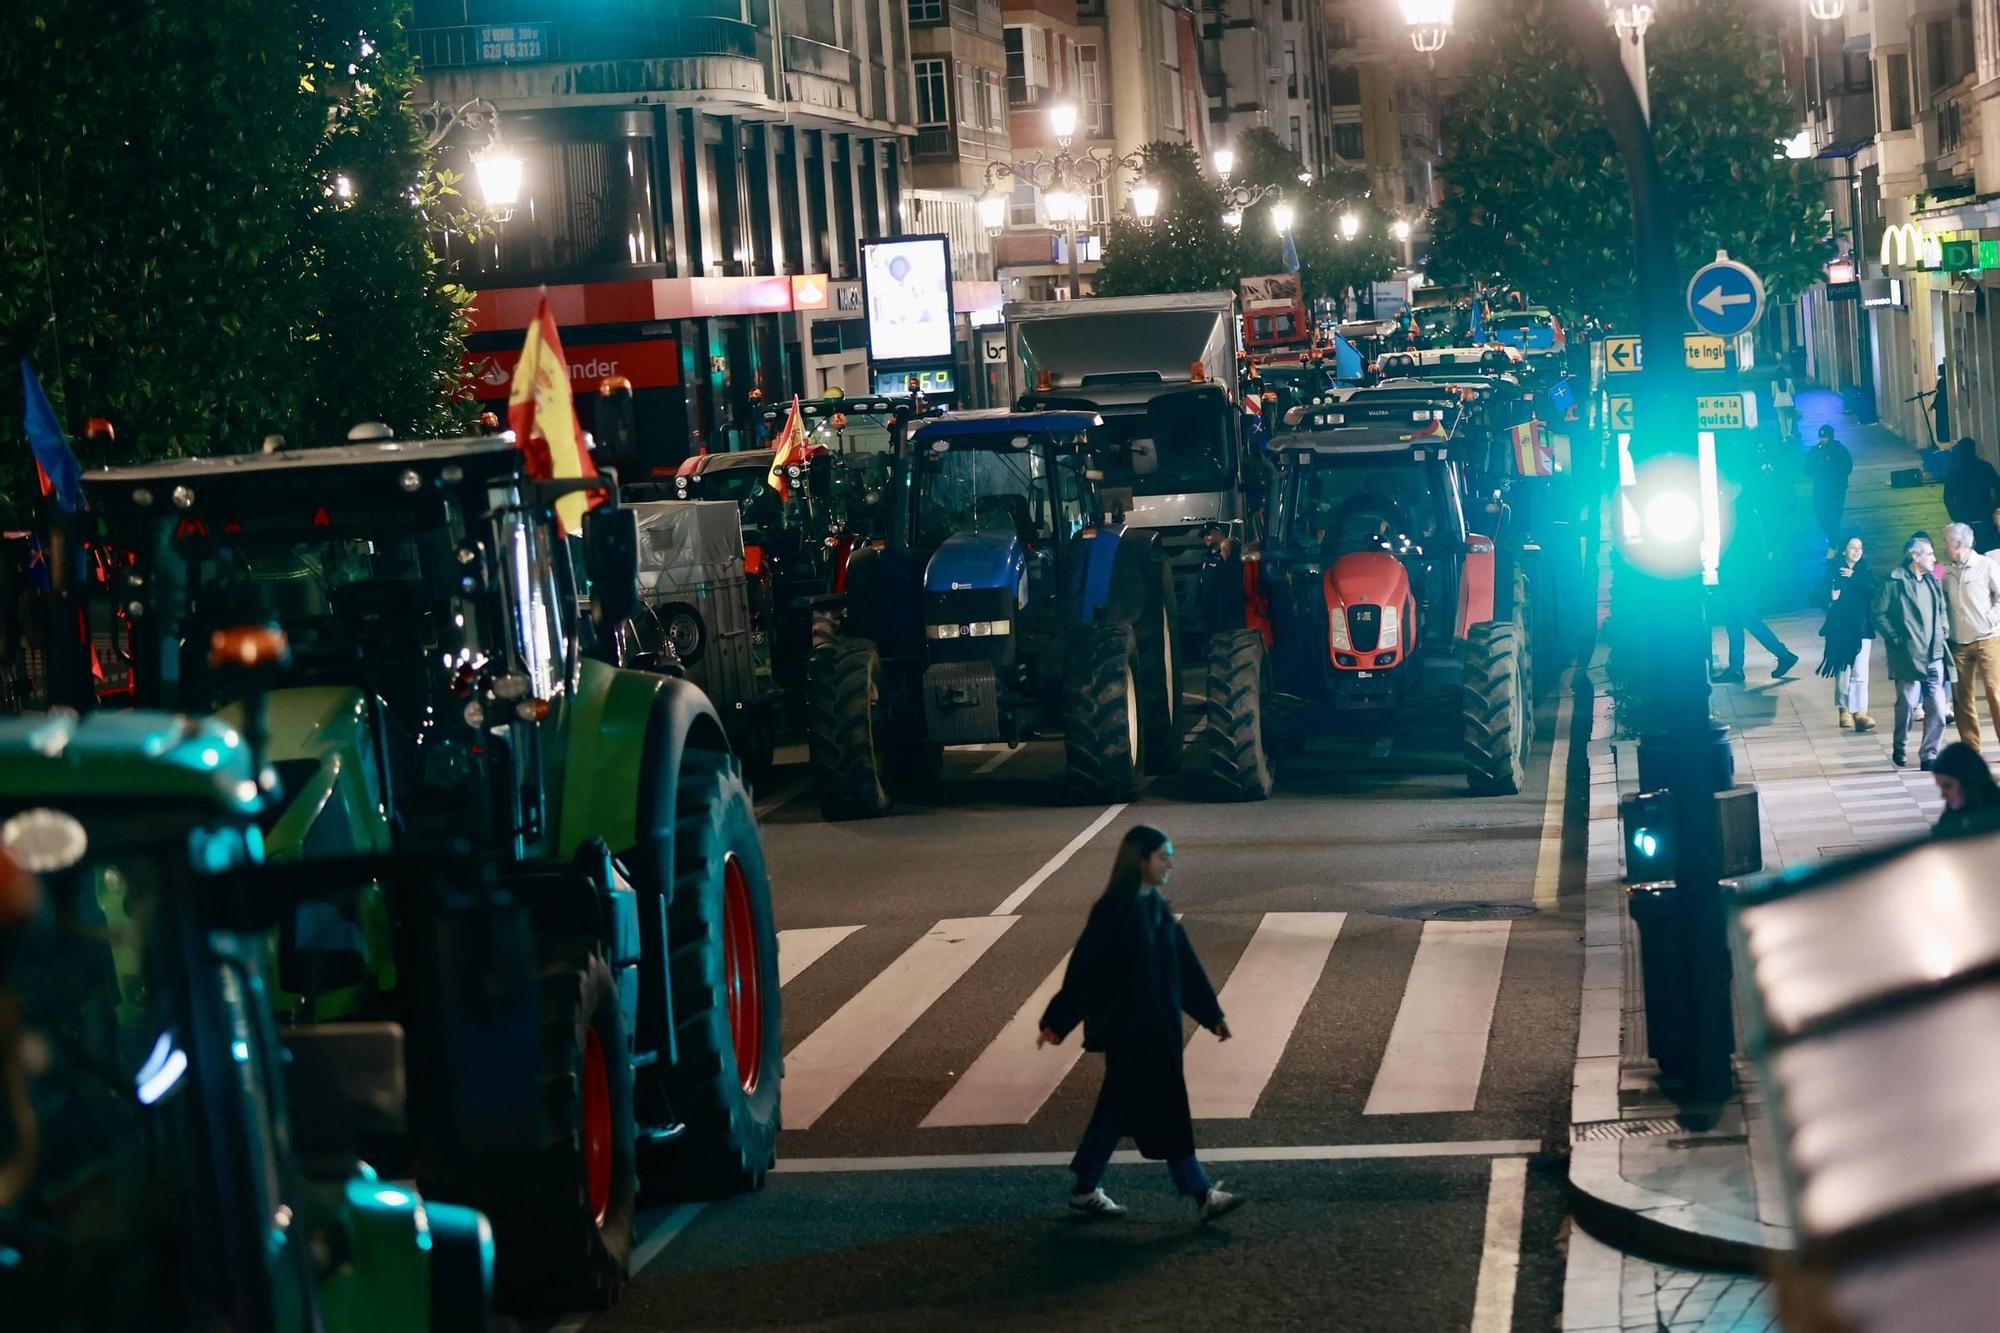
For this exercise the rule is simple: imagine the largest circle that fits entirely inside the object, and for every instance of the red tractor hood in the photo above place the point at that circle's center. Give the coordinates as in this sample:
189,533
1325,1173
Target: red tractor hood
1366,578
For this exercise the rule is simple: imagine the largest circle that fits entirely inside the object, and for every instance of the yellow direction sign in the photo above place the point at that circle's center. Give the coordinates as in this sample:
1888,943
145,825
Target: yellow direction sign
1623,356
1705,352
1725,411
1621,412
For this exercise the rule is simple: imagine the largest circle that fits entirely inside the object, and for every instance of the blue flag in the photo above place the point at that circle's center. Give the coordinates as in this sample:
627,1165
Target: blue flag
1478,333
45,437
1562,395
1346,361
1291,255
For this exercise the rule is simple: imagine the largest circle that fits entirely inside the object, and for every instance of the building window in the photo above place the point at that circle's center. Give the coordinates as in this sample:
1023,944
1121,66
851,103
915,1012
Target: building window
996,100
1298,140
971,102
1291,69
933,93
1347,142
1100,207
926,11
1022,206
1017,69
1090,88
1339,32
1288,11
1170,40
1896,87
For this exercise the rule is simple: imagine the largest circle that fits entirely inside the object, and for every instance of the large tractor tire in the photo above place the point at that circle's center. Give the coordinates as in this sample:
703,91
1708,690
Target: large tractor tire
562,1216
844,716
1498,714
1236,755
1158,635
1103,736
723,967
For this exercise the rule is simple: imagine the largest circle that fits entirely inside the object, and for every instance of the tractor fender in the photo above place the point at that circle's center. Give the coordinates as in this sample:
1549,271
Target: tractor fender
1094,574
1475,585
1137,578
627,730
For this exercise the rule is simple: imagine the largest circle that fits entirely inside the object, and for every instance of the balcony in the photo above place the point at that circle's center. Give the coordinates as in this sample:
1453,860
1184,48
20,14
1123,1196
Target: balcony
935,143
631,54
1846,120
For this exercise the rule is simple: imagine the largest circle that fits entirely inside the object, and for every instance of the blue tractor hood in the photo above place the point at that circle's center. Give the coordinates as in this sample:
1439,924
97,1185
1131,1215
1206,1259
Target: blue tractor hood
977,560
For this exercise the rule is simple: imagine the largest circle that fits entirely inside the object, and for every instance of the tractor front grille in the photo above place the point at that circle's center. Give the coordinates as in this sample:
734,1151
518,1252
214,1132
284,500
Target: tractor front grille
1364,626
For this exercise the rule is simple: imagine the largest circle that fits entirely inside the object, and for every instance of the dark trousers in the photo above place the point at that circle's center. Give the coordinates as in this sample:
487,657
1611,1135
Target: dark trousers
1100,1140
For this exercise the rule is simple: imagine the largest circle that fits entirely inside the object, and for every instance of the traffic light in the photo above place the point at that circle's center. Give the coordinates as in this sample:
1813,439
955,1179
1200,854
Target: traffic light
1651,822
1669,511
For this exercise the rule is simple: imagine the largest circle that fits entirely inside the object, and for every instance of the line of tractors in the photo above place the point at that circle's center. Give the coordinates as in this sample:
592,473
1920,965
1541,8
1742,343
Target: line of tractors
406,923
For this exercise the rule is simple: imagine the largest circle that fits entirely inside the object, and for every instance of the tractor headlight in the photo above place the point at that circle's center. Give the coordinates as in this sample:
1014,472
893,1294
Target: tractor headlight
972,629
1337,630
1392,626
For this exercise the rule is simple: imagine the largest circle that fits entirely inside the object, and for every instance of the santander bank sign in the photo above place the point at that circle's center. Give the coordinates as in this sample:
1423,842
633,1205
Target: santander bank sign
652,364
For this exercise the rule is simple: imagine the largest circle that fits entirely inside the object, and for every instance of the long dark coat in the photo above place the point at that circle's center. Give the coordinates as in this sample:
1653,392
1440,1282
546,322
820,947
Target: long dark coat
1850,621
1131,977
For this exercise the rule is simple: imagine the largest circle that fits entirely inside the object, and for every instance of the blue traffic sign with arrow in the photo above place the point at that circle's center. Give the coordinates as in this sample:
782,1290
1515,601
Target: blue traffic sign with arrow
1726,298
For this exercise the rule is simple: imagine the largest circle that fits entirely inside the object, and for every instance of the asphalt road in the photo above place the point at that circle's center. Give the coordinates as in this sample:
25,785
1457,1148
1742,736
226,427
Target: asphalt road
1405,1018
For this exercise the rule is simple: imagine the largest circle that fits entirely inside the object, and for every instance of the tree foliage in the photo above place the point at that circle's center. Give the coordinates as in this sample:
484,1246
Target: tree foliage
1535,190
1190,248
173,255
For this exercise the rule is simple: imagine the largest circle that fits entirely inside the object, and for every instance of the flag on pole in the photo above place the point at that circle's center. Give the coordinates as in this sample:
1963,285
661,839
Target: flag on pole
1477,331
1291,255
1533,455
60,474
542,414
790,447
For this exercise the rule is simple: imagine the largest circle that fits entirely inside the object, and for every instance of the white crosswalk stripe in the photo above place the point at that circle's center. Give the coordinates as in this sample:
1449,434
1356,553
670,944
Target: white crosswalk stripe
1265,994
800,949
1011,1078
827,1063
1437,1049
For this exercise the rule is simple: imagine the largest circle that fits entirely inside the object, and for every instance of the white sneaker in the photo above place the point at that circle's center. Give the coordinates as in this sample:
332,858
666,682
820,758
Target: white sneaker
1218,1202
1096,1203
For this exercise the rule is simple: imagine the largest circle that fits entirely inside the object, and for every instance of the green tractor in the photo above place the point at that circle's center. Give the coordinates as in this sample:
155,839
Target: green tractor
166,1160
447,697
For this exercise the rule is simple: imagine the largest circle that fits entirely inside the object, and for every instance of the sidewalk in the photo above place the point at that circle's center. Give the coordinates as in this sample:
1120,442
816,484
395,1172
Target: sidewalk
1698,1186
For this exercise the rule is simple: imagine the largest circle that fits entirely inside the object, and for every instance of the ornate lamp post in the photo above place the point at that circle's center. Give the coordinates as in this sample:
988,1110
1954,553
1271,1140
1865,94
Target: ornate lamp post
1066,183
1826,11
498,167
1350,225
1401,230
1429,23
1237,198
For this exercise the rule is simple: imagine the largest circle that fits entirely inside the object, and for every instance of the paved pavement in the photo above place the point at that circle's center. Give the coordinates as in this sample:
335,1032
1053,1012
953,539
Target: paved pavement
1704,1188
1401,975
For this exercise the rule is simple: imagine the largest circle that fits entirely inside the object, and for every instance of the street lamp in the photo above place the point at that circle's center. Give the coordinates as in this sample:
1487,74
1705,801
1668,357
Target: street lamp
1281,217
1826,11
1631,18
1067,182
1429,22
1350,226
1225,162
1145,202
1401,230
1233,219
499,168
1237,198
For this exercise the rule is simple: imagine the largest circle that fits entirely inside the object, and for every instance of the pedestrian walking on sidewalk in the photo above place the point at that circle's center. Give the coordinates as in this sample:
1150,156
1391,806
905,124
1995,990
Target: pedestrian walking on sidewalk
1739,594
1971,797
1972,600
1912,618
1785,401
1829,465
1971,487
1849,632
1132,974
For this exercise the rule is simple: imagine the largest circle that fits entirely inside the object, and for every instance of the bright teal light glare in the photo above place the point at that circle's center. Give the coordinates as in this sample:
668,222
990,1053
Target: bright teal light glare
241,1050
1646,843
1672,516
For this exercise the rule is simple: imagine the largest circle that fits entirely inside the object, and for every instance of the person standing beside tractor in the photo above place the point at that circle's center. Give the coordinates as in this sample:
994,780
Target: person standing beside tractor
1132,974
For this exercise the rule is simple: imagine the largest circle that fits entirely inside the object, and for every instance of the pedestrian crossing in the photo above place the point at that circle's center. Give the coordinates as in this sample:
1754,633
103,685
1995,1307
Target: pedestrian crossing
1433,1062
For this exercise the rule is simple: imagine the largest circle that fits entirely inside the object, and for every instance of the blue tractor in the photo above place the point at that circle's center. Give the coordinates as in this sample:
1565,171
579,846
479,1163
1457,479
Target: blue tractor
1005,603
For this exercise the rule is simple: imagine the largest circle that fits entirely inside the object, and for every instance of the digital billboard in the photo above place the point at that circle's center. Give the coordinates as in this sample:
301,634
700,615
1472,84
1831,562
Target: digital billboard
908,286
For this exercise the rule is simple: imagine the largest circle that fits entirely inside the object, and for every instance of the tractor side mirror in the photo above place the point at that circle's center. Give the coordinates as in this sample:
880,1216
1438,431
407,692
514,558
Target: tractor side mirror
611,558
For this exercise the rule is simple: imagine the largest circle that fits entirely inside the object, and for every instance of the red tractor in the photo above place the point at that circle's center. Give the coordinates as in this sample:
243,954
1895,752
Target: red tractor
1370,601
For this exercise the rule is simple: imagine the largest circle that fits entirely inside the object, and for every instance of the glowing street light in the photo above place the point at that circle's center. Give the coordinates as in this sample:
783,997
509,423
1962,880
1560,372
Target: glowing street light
1233,219
1350,226
992,210
1400,229
1631,18
1062,205
500,170
1429,23
1826,11
1062,119
1225,162
1281,217
1145,202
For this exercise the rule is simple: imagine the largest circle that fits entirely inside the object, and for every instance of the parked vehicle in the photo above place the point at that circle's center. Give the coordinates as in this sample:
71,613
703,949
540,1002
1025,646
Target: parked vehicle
1370,602
446,690
1006,605
171,1160
1537,332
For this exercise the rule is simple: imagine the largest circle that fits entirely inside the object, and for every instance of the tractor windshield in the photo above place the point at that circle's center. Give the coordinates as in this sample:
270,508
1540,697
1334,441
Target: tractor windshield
1369,502
997,483
1294,385
1181,444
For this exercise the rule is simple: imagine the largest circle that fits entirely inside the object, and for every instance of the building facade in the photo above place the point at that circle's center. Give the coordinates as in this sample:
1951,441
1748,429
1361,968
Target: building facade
1384,108
1268,69
697,189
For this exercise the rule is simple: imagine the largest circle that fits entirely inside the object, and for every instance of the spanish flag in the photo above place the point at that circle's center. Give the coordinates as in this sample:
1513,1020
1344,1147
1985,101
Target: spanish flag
542,414
1533,456
790,448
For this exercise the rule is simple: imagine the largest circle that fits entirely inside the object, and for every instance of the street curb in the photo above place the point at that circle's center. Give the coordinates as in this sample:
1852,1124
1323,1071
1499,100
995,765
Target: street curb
1650,1224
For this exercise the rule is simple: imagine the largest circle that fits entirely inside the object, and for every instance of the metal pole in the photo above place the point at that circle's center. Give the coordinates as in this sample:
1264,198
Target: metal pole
1682,749
1634,55
1075,284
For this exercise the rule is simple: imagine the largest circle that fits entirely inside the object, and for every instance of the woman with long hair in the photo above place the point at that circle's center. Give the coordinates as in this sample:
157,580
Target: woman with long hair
1849,631
1132,974
1971,797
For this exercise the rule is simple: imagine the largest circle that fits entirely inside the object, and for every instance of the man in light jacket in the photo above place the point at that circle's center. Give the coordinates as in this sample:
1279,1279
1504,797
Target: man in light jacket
1913,620
1972,597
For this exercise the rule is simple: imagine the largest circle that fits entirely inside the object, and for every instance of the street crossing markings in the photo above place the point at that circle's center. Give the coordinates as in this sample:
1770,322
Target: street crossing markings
1500,1256
1316,1152
1437,1048
1006,753
827,1063
1265,994
1012,1077
800,949
1058,861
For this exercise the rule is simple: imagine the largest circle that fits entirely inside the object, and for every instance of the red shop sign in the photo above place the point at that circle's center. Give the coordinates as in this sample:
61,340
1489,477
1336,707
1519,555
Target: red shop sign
652,364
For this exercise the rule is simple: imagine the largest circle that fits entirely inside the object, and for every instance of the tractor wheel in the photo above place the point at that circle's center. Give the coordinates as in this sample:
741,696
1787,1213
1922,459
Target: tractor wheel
1103,737
1498,713
1158,634
1240,765
844,707
723,967
562,1215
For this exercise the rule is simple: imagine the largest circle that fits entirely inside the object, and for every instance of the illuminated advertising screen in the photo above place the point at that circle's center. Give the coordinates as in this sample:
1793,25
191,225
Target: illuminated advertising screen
908,287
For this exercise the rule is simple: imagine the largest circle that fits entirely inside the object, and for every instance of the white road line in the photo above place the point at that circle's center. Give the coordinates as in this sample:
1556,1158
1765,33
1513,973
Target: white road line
1437,1048
800,949
1500,1258
1263,998
1011,1078
1548,860
827,1063
1058,861
1334,1152
997,760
